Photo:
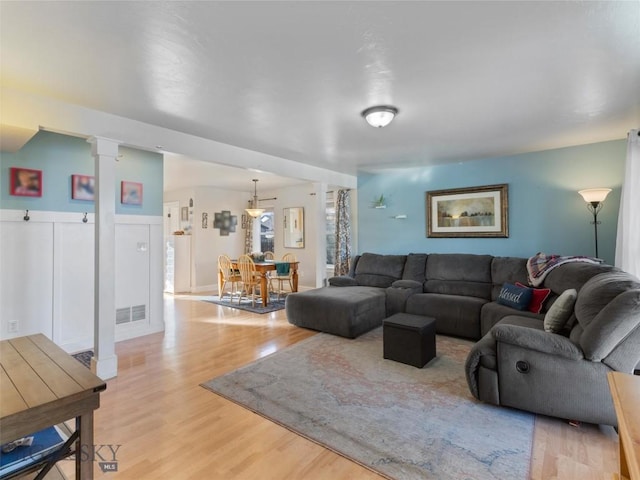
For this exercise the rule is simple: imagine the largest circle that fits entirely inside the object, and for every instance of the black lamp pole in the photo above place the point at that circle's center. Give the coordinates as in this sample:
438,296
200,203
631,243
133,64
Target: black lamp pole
594,208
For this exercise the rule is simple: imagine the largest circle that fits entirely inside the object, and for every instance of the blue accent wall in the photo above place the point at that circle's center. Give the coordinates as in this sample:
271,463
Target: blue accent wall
546,214
60,156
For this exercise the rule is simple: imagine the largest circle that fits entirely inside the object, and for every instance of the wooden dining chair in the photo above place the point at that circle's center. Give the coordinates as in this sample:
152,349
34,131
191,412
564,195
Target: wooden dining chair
282,278
270,257
249,278
228,275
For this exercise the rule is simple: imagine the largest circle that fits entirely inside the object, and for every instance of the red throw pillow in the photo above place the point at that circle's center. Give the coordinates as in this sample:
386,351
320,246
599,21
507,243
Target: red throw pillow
539,295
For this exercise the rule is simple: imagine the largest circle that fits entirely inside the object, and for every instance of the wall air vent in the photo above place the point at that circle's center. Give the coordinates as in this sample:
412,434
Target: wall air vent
138,312
123,315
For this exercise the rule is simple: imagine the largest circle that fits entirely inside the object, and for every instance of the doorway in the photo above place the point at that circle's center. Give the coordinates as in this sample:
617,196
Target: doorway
171,217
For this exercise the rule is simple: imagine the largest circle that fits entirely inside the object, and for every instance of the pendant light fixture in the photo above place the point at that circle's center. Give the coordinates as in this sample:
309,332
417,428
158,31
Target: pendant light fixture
380,116
254,211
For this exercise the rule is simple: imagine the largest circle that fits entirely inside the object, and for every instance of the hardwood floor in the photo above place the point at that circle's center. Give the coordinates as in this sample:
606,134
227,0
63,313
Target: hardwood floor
168,427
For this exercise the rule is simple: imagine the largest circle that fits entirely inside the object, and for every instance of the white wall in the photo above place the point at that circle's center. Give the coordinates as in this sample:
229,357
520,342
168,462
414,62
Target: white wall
314,225
207,243
46,275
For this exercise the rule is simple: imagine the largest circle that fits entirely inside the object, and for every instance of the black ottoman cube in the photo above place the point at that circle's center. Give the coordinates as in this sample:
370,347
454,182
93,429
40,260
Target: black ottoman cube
409,339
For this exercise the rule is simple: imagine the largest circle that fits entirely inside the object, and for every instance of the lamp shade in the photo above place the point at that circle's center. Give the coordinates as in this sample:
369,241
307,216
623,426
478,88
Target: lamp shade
254,211
597,195
380,116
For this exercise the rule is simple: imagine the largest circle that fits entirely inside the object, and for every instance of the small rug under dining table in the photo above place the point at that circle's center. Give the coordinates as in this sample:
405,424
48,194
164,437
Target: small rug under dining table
245,304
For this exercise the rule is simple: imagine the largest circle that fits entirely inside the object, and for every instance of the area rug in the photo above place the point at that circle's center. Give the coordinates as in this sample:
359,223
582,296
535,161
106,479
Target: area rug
274,304
84,357
395,419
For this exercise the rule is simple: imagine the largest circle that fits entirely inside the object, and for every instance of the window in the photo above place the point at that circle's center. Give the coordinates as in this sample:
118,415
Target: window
266,232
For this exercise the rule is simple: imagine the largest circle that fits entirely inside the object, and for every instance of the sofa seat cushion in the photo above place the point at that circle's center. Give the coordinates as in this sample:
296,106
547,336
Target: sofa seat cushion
344,311
493,312
455,314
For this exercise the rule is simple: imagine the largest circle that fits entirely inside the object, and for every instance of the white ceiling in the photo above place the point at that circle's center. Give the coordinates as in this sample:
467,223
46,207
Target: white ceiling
471,79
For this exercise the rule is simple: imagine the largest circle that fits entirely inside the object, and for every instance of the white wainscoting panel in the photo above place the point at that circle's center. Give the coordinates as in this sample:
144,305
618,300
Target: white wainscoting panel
132,276
26,278
156,277
47,276
73,315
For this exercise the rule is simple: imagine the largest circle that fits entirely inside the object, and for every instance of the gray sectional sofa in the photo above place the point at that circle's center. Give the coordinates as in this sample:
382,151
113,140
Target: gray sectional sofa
458,290
516,362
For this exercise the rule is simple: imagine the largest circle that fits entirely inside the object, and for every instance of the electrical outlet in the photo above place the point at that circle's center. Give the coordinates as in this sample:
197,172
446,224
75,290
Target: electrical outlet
12,327
300,273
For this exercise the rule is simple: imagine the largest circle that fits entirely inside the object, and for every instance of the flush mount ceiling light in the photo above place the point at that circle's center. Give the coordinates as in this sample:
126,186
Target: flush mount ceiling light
254,211
379,116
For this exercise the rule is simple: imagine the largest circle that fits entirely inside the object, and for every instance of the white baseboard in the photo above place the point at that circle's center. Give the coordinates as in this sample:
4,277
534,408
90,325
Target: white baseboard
204,288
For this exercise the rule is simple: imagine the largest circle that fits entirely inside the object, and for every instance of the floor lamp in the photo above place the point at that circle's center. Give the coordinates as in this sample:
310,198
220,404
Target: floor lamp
594,198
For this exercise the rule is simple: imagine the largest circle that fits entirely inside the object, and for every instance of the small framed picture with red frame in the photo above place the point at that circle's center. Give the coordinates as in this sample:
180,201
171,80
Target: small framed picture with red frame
83,187
25,182
131,193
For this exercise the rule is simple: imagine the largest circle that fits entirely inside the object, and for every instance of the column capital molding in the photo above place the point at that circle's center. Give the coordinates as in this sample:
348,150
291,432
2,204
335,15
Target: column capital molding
104,146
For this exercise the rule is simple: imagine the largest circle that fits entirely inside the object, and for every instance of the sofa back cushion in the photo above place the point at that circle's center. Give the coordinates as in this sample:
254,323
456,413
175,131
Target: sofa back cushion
459,274
373,270
507,270
572,275
352,266
599,291
614,324
415,267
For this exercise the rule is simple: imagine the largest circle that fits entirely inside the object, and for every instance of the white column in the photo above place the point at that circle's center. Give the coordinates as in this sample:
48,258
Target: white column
320,218
105,362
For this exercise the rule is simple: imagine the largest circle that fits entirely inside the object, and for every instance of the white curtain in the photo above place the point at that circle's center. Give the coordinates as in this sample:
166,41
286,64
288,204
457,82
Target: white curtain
628,239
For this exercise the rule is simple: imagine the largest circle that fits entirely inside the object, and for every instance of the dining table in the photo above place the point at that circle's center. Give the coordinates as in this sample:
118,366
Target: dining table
42,386
262,268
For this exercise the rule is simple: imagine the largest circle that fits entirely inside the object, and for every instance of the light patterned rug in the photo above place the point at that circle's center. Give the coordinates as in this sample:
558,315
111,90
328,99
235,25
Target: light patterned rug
398,420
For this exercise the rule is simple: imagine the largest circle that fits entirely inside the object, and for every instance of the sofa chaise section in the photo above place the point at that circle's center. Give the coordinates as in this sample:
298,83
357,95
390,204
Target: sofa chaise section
350,306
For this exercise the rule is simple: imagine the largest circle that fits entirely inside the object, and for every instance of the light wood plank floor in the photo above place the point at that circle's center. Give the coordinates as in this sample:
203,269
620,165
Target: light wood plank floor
171,428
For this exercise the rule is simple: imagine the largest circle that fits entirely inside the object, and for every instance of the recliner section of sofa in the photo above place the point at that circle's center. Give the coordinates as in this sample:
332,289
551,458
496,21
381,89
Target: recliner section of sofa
518,364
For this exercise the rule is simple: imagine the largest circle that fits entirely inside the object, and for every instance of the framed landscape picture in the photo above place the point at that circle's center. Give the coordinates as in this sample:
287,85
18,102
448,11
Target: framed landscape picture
131,193
468,212
83,187
25,182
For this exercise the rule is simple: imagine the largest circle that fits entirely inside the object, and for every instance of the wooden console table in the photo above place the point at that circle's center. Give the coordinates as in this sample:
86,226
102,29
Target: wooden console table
42,386
625,390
